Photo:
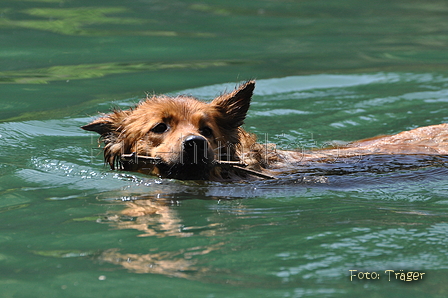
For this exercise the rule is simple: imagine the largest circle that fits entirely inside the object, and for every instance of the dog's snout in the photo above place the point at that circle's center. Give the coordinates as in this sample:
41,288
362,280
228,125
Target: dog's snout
195,144
195,150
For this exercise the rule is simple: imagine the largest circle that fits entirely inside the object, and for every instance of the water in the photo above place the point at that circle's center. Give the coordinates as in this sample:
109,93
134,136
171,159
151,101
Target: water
326,71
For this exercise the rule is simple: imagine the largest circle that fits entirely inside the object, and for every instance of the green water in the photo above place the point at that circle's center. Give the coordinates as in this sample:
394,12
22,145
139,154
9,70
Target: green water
325,70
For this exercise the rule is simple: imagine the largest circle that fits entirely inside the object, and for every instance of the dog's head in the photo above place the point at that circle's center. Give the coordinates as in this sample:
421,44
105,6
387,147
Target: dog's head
185,135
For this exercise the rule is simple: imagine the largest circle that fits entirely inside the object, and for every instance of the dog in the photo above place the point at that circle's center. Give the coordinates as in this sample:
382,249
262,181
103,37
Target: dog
187,139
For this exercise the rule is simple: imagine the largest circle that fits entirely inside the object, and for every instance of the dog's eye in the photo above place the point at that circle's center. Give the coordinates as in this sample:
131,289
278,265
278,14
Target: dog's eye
206,132
160,128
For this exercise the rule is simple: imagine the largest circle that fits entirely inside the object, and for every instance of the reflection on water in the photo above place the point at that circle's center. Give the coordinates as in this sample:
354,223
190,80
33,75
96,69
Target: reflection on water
330,233
89,71
172,264
80,21
71,20
153,218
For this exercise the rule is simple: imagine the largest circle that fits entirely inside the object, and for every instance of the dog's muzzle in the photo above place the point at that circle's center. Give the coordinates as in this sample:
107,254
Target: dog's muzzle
194,163
195,151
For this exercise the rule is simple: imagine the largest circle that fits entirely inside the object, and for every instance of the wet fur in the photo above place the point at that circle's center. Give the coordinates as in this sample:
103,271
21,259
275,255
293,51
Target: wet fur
141,130
133,131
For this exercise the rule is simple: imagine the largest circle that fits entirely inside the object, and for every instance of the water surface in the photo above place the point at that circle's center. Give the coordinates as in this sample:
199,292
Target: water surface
326,72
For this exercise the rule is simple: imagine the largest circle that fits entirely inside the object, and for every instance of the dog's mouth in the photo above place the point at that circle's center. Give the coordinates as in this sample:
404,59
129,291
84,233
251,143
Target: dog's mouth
194,162
195,171
185,171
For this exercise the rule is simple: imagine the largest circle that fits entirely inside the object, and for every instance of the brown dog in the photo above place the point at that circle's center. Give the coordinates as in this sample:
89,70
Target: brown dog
184,138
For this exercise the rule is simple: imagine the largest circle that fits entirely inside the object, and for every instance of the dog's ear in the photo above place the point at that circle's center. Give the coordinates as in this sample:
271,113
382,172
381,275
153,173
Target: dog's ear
234,106
110,123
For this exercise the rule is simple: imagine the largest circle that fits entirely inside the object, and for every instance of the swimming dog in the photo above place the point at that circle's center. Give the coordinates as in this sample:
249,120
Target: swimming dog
184,138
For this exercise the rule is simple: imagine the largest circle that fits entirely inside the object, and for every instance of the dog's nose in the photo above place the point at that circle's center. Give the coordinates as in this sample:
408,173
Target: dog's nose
195,148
